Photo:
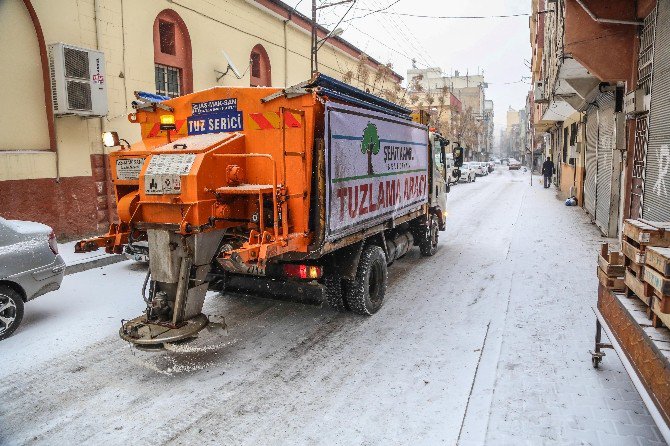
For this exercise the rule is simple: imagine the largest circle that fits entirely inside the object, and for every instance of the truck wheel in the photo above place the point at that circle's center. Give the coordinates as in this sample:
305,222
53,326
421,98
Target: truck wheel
428,243
366,294
334,292
11,311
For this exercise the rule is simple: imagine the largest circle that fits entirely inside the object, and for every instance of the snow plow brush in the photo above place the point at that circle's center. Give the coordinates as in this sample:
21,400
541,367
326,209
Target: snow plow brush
174,289
142,331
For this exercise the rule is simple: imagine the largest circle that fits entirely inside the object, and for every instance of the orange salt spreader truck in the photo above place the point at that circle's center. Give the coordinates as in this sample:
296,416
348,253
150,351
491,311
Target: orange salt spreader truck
319,182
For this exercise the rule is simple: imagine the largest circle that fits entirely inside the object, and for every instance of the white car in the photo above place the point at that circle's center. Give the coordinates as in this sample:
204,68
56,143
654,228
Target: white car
481,169
468,173
29,267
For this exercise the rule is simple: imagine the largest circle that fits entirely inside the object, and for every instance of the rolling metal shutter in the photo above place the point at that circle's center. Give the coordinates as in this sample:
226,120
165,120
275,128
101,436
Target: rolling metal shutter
606,142
656,203
590,160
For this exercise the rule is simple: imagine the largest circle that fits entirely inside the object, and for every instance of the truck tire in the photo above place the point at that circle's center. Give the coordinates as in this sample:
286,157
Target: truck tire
334,292
11,311
365,296
428,243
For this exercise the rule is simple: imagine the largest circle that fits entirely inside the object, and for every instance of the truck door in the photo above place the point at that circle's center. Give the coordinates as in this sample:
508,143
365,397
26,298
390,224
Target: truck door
439,186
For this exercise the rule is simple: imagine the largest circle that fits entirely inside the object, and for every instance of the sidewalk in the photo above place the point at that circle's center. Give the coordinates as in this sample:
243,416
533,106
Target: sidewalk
78,262
545,388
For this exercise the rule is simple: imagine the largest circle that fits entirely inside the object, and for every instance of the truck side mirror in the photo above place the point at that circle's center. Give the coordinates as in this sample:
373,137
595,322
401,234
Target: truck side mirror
458,156
443,160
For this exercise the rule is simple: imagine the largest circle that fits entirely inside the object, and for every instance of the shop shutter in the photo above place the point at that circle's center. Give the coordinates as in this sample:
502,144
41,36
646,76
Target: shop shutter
606,142
590,160
656,203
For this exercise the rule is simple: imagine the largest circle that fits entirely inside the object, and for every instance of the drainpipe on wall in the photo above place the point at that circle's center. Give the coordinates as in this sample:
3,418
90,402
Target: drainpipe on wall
612,21
290,14
103,125
46,80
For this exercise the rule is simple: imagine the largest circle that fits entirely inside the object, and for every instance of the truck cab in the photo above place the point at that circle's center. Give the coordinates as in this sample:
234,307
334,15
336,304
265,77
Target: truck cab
442,166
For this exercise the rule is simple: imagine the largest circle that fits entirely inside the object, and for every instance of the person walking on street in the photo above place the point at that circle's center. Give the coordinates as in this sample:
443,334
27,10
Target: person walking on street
548,170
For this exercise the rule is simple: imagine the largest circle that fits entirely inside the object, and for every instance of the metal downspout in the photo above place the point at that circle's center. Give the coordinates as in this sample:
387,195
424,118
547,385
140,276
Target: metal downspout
286,52
613,21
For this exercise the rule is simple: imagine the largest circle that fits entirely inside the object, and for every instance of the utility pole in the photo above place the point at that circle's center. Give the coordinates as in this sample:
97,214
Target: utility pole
314,63
316,43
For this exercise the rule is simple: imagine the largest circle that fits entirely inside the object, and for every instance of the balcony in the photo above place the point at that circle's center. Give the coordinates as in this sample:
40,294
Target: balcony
601,36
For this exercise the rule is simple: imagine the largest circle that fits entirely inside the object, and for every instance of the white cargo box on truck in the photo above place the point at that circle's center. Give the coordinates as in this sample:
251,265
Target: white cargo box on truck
376,168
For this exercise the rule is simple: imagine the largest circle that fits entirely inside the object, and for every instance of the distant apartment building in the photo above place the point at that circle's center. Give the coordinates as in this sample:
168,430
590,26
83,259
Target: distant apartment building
512,138
470,90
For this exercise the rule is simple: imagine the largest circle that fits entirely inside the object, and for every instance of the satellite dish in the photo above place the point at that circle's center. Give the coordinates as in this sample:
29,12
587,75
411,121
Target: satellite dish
231,65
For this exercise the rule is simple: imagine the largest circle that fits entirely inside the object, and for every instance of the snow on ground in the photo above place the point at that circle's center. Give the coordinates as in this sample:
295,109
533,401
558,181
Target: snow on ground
486,342
87,308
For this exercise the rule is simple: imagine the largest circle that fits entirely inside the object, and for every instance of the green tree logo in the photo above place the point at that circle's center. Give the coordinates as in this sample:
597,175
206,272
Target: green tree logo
370,144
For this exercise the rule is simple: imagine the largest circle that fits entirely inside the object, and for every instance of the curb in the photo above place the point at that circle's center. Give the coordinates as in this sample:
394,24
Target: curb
95,262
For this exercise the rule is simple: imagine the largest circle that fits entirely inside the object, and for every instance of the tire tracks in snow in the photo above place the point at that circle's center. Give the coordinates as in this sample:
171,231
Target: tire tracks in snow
296,372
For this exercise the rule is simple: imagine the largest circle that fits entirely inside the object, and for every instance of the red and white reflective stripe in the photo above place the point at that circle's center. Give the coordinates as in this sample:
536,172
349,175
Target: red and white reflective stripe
272,120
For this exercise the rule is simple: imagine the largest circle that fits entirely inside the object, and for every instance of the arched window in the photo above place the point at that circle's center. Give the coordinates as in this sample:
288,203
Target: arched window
261,72
172,55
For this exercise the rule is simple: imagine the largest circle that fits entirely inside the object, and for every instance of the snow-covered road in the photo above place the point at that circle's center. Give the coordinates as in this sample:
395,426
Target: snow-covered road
486,342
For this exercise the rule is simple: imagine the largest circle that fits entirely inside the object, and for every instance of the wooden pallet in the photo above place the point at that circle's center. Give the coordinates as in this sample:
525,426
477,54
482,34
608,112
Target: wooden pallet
657,302
611,283
635,268
612,263
633,251
636,287
656,275
611,269
658,258
646,232
657,281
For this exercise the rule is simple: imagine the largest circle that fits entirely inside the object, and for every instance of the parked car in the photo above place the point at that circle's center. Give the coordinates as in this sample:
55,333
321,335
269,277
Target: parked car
480,169
468,174
29,267
514,164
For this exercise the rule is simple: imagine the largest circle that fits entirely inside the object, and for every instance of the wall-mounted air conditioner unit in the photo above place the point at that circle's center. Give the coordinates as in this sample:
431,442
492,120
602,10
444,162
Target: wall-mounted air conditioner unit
636,102
78,84
538,94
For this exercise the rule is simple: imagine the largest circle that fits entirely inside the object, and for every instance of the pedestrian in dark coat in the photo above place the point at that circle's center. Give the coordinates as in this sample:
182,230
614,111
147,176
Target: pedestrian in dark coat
548,170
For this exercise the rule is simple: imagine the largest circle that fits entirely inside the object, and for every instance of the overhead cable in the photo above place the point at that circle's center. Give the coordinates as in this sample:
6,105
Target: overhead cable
425,16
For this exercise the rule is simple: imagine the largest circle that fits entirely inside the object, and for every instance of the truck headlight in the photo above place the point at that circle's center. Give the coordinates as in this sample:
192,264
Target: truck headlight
110,139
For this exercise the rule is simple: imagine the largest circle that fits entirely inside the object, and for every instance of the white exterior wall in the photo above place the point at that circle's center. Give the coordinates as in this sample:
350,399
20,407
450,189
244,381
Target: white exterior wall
123,30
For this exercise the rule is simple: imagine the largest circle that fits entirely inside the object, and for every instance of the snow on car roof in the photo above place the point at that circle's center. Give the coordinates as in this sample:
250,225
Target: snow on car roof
24,227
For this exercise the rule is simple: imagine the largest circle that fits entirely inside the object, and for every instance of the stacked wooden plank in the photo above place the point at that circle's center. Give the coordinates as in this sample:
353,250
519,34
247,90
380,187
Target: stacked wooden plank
648,280
611,269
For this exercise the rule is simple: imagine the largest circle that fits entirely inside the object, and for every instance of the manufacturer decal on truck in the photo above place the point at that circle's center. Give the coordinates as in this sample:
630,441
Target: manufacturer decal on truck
163,174
129,168
215,117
